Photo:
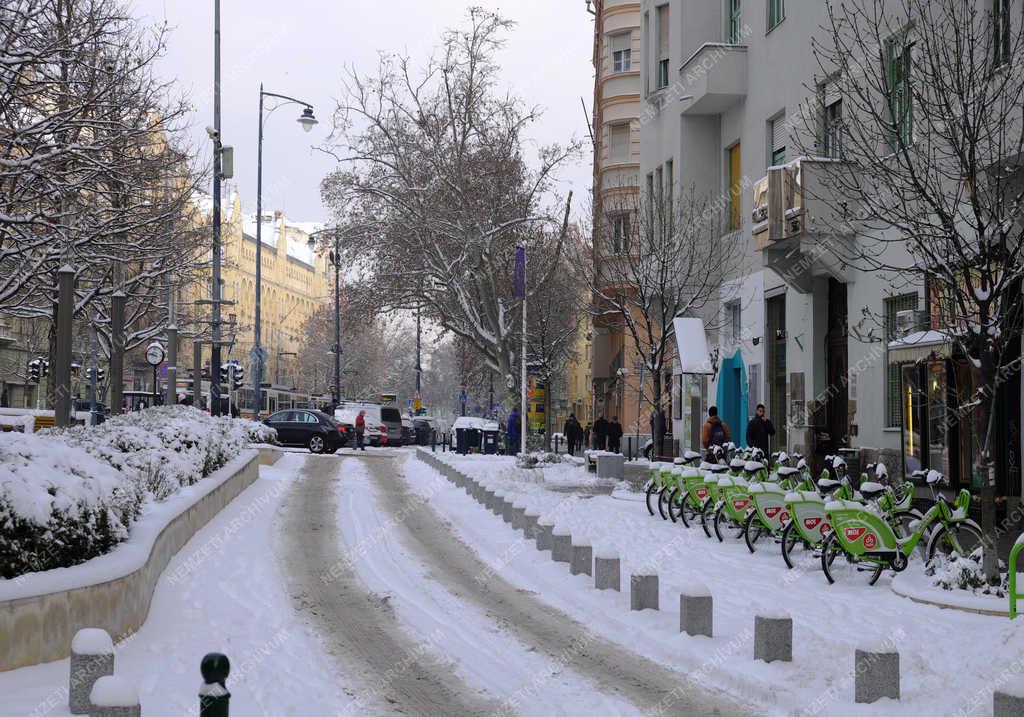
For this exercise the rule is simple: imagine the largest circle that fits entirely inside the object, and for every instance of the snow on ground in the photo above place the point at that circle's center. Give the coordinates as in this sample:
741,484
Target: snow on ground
222,592
484,655
950,661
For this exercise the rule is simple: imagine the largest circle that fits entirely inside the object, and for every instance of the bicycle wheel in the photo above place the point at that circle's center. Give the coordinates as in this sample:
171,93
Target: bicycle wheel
652,488
706,516
839,566
956,539
904,522
724,525
671,503
795,550
662,503
677,508
753,530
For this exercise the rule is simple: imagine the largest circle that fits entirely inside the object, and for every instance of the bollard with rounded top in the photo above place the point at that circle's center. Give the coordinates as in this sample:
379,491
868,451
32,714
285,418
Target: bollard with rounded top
561,544
773,636
607,568
643,590
696,611
876,673
518,512
1008,701
213,693
114,696
582,560
92,657
530,525
543,532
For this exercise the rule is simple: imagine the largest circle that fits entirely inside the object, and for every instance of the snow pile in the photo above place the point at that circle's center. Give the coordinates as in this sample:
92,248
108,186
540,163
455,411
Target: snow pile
67,495
958,572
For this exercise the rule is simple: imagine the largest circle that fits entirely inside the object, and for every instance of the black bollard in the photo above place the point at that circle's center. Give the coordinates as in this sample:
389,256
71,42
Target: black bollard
214,695
433,441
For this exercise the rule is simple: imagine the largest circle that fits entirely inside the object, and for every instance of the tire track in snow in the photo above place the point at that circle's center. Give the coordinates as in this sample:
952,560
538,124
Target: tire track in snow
458,568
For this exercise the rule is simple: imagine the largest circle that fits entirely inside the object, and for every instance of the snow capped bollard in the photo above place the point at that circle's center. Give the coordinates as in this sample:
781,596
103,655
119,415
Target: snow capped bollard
543,533
213,693
582,558
507,510
470,486
773,636
876,673
1009,701
611,465
643,590
530,525
561,544
92,657
607,568
488,498
114,696
696,611
498,504
518,511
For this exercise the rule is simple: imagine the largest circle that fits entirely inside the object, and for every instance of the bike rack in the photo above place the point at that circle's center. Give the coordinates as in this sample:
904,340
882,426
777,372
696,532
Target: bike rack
1014,595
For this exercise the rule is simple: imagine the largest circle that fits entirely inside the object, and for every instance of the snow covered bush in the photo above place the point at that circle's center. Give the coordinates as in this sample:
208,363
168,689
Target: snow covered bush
964,573
67,495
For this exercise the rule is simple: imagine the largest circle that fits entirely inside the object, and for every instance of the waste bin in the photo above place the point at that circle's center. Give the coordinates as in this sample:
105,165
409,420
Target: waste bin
422,432
490,438
461,440
467,434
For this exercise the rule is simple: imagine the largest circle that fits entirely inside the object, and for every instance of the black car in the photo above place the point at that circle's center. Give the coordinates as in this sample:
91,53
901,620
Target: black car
305,427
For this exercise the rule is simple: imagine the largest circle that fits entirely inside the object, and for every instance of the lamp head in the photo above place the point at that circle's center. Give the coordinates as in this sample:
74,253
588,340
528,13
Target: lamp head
307,120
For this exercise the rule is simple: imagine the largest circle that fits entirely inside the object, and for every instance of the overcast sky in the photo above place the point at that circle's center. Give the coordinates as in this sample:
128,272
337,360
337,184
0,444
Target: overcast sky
299,47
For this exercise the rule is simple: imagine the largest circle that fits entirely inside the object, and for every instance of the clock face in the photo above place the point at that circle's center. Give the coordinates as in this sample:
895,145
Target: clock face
154,354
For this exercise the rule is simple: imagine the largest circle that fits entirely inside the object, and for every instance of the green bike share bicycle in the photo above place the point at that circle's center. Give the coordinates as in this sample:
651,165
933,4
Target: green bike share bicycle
861,542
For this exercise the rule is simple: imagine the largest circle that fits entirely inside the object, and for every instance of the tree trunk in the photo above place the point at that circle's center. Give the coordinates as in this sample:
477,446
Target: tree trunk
659,425
989,529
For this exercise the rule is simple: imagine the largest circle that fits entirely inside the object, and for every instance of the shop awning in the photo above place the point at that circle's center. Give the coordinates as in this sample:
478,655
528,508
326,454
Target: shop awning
919,346
692,345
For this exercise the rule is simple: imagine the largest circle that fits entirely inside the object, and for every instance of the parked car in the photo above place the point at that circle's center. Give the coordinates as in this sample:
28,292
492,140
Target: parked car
388,416
313,429
376,433
408,431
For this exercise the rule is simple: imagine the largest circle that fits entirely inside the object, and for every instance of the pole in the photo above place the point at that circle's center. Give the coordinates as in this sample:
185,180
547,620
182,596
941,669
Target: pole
337,323
62,371
639,402
490,397
215,348
419,365
93,340
197,373
172,364
522,392
155,392
116,378
257,374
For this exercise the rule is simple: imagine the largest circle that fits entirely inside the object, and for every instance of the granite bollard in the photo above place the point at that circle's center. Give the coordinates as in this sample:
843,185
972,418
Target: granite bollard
607,571
643,590
114,696
876,674
696,611
92,657
582,560
773,637
561,545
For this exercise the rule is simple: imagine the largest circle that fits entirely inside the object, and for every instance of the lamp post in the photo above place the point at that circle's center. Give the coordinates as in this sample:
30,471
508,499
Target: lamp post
307,120
333,258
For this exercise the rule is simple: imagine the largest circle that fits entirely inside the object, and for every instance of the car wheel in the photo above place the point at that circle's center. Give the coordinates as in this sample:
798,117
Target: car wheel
316,443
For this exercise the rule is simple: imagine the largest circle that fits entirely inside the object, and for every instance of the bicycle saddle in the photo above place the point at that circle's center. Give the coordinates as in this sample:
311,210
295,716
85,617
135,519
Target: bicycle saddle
786,471
828,486
871,490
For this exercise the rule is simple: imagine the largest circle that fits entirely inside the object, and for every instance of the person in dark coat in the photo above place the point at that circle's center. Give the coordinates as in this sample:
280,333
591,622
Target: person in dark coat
715,432
614,435
587,430
600,433
572,433
760,430
513,433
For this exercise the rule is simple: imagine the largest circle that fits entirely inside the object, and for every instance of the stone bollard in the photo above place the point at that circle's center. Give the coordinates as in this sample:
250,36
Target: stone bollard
92,657
543,533
530,525
696,611
611,466
876,674
1008,703
470,486
773,636
114,696
582,558
561,545
489,498
518,512
607,568
507,511
498,502
643,590
214,698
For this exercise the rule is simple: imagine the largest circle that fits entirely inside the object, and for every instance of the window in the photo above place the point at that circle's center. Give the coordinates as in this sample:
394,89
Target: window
893,398
1001,38
620,143
777,140
622,53
734,319
669,191
735,33
661,69
831,120
734,186
776,12
621,227
900,92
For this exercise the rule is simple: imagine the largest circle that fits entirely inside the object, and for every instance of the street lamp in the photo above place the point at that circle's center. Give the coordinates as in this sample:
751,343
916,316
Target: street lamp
259,357
333,257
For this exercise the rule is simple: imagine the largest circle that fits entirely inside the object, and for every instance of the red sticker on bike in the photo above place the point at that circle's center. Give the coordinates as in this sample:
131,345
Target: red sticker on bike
784,518
825,528
702,493
740,504
870,541
811,523
853,534
772,511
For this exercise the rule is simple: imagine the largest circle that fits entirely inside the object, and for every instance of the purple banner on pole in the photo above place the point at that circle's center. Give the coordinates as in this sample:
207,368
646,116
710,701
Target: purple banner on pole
519,290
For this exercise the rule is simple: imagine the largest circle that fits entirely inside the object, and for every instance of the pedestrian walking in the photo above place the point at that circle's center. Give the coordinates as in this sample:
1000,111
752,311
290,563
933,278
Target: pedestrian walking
360,431
614,435
715,432
572,433
600,433
586,436
513,435
760,430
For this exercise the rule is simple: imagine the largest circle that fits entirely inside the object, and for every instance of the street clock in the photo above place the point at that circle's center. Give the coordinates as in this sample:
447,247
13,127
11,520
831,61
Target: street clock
155,354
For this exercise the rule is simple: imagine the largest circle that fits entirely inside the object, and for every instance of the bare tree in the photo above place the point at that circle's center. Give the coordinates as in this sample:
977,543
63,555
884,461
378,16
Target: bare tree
434,168
929,182
656,258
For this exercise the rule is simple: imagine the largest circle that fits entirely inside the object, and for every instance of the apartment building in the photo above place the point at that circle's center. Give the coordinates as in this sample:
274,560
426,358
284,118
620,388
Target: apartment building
727,87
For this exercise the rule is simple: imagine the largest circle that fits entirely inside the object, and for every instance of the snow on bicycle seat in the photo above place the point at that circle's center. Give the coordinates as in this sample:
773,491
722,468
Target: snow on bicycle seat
753,466
934,477
717,469
920,473
827,485
737,463
787,471
766,488
803,495
691,456
871,490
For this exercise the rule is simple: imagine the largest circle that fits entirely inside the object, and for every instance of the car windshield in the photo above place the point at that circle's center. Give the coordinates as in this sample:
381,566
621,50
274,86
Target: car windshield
391,415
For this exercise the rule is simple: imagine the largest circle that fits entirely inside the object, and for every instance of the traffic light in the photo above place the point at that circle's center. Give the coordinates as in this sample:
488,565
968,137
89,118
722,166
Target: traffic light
224,373
46,367
231,374
35,370
100,374
239,377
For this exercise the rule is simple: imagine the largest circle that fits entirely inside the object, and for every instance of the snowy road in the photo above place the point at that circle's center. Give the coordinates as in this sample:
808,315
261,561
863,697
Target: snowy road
386,528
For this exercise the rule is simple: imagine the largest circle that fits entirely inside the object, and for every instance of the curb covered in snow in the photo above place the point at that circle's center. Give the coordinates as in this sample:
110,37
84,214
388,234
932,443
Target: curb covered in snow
41,612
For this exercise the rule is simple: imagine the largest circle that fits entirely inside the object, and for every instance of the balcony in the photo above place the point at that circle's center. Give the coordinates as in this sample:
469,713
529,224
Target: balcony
713,79
797,225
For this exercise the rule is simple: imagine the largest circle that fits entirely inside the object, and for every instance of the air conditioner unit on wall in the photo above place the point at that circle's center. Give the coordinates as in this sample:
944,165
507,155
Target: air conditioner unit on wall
909,321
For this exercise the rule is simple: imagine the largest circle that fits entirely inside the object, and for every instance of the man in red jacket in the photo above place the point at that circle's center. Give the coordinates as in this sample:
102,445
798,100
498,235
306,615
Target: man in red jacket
360,430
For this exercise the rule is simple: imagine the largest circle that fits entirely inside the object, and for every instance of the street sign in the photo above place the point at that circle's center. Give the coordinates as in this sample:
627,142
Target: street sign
163,370
463,397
